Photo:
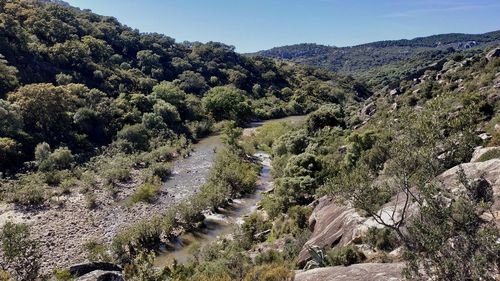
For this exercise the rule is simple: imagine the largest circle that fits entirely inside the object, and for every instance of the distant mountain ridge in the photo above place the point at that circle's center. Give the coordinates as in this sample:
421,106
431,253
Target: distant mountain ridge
356,59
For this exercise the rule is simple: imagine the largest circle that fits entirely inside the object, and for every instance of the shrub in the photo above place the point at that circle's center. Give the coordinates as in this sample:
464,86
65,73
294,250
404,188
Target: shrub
133,138
491,154
344,256
143,235
90,201
9,153
252,229
63,275
142,269
161,170
327,115
96,251
273,272
381,238
61,158
20,251
147,192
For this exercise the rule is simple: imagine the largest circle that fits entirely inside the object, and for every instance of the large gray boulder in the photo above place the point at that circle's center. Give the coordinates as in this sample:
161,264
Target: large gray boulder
84,268
355,272
480,151
332,225
101,275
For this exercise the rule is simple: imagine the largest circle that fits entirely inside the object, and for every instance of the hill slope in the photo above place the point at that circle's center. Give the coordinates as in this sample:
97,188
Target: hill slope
356,59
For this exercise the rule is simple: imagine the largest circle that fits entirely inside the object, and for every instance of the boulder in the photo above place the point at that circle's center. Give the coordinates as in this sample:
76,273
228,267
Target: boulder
362,271
493,54
84,268
480,151
394,92
101,275
332,224
489,170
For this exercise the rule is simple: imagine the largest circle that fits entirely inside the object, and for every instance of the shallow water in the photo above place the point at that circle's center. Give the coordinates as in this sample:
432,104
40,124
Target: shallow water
190,173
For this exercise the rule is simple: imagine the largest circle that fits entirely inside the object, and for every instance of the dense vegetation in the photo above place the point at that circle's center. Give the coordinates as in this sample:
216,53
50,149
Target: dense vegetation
90,106
80,92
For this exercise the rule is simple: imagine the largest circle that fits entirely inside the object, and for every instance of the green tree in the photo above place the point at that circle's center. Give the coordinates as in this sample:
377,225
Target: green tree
227,103
20,251
133,138
44,109
327,115
8,77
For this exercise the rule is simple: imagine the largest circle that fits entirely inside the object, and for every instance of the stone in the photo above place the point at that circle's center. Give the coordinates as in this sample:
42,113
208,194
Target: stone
369,109
84,268
355,272
394,92
101,275
485,136
480,151
493,54
489,170
332,225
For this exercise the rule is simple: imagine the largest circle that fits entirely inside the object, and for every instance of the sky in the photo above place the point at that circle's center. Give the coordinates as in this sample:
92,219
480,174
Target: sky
253,25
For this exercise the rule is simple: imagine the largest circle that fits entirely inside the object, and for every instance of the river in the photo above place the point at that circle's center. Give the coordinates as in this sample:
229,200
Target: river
188,176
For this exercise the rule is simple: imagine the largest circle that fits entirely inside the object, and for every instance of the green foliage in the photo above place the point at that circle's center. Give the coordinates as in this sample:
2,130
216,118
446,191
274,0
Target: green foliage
451,241
252,229
129,243
147,192
381,238
133,138
344,256
9,153
142,269
20,251
327,115
63,275
96,251
227,103
59,159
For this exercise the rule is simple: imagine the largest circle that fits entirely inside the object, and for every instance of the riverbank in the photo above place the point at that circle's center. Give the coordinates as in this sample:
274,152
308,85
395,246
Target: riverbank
221,224
63,227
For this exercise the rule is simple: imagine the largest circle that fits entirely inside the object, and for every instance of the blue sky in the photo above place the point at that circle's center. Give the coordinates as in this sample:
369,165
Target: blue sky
253,25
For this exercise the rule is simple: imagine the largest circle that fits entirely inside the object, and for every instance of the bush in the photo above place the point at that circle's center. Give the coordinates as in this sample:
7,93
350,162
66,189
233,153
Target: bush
344,256
90,201
61,158
143,235
252,229
161,170
147,192
274,272
133,138
381,238
20,251
9,153
96,251
327,115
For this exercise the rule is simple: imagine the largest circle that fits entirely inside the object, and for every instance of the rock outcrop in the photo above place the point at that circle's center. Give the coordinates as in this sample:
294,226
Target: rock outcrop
84,268
332,224
100,275
493,54
489,170
480,151
356,272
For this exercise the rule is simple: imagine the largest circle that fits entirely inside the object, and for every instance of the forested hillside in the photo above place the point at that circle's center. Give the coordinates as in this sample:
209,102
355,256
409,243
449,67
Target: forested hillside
71,78
358,59
391,172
